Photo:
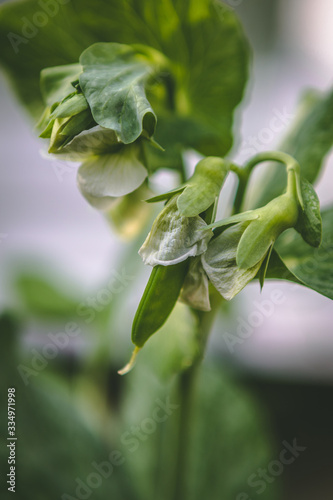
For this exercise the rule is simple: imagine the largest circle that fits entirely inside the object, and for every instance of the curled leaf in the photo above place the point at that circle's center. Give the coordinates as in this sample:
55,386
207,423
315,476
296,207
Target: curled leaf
113,80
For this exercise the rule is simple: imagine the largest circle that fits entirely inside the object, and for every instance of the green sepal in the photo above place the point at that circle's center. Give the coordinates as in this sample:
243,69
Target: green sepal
263,268
165,196
254,244
203,187
201,190
72,105
46,121
234,219
65,129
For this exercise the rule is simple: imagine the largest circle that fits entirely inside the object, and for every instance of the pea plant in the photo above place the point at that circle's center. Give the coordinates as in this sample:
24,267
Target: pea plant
126,89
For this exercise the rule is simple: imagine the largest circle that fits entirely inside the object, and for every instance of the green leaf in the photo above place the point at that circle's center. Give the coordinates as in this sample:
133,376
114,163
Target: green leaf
113,80
235,425
56,82
168,159
309,142
254,244
309,223
277,270
264,266
42,298
73,441
202,39
222,417
313,267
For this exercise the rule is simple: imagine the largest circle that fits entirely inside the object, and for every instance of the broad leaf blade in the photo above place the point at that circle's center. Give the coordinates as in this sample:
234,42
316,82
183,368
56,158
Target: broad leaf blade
311,266
202,40
276,270
309,142
113,81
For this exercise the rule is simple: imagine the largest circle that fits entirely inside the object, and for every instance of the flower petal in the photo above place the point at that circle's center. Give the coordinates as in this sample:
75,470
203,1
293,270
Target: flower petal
195,291
92,142
173,238
219,262
111,175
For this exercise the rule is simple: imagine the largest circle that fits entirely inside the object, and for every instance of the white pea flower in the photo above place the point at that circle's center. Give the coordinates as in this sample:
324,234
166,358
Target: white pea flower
174,238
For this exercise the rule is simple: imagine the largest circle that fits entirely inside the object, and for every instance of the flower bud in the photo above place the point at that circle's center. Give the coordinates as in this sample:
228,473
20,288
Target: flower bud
201,190
235,256
67,120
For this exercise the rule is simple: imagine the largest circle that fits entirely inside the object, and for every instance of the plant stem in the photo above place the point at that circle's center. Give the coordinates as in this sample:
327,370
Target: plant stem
244,173
240,193
186,389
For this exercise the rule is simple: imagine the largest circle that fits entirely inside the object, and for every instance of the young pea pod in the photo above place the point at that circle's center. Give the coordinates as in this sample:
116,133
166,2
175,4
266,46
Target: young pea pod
158,300
172,241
